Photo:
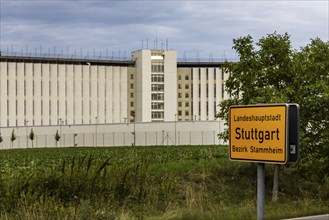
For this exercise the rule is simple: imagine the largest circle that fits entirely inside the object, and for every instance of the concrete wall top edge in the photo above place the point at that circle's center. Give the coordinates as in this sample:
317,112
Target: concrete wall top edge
67,61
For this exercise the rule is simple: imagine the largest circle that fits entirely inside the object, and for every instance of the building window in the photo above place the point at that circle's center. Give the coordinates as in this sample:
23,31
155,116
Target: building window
157,78
186,95
187,77
157,106
157,87
215,108
157,96
207,109
131,104
179,77
199,90
186,86
187,113
179,112
157,67
179,95
179,86
199,108
131,95
131,85
131,76
187,104
207,90
179,104
158,115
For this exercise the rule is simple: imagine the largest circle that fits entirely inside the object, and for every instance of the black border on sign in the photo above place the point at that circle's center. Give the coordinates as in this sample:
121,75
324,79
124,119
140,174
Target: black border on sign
286,133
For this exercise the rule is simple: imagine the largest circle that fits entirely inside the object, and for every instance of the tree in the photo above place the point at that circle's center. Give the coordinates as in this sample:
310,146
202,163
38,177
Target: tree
275,73
57,137
1,139
31,136
12,138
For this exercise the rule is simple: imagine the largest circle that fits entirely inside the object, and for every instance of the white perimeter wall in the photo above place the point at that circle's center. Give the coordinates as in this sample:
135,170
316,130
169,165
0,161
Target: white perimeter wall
155,133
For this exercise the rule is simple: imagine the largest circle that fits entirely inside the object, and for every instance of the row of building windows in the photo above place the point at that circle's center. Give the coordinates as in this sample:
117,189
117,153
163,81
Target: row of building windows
157,97
157,87
157,78
187,77
187,86
158,105
157,67
187,104
199,91
41,93
187,95
157,115
187,113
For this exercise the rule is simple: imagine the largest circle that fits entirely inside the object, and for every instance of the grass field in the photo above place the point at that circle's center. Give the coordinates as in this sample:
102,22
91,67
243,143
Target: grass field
167,182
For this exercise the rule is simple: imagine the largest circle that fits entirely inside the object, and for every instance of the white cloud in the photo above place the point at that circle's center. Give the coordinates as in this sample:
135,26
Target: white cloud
202,26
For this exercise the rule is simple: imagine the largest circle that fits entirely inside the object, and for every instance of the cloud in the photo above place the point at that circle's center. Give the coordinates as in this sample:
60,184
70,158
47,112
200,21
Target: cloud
199,26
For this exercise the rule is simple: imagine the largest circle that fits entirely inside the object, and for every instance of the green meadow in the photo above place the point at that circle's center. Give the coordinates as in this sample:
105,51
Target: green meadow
157,182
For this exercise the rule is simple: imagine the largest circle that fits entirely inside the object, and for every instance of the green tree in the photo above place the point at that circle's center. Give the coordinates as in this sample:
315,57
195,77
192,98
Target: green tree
12,138
1,139
57,137
31,136
270,71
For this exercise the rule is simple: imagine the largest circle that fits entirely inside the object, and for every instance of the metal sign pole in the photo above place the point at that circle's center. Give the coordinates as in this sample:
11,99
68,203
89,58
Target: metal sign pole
260,190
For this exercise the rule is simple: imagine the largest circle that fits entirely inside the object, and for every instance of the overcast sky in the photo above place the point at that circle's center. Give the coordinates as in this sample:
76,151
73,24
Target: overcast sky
193,28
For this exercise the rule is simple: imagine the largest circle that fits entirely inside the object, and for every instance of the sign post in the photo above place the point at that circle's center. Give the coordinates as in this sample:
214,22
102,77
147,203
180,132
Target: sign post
266,133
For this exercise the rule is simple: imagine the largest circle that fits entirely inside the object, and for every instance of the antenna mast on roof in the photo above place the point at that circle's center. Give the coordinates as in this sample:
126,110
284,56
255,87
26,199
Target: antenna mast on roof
156,39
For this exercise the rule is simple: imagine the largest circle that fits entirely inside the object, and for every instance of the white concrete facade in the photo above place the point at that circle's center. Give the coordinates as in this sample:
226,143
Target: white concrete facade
157,63
36,94
50,93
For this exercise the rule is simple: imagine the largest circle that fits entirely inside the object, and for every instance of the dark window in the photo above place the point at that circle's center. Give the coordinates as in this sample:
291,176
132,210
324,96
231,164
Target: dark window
207,90
199,90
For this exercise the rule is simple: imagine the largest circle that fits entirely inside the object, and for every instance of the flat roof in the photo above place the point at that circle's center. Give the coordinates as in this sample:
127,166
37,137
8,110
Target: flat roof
195,64
67,61
199,64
